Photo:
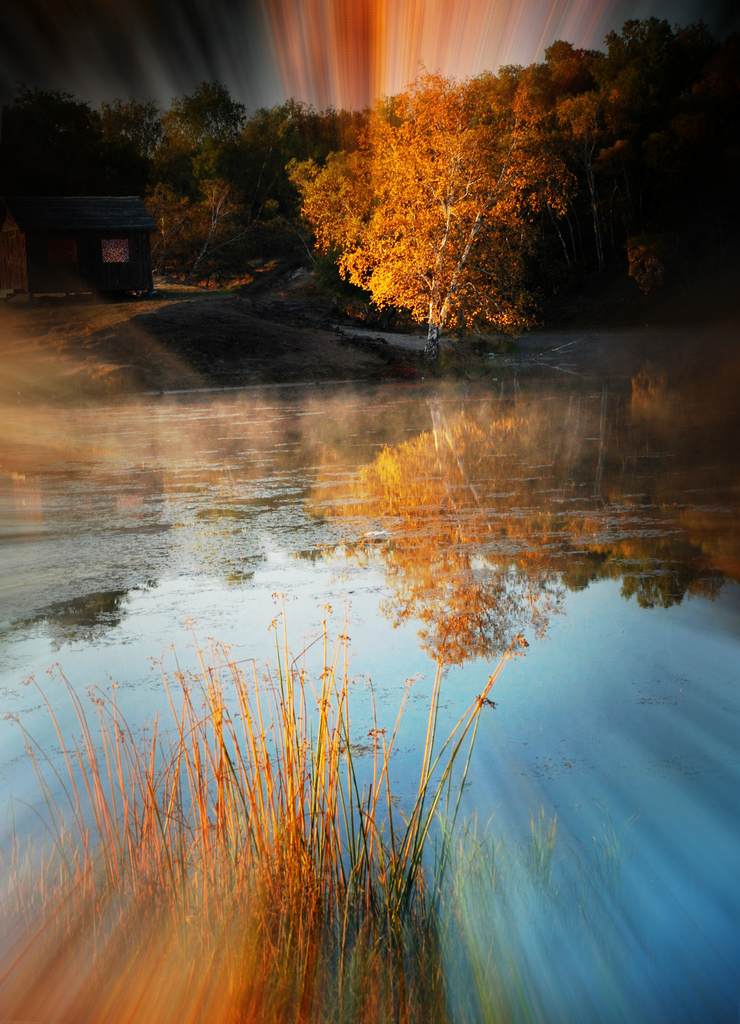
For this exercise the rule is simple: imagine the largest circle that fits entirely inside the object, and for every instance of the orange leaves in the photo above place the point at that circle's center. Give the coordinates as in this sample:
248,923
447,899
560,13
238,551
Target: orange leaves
333,199
581,115
433,212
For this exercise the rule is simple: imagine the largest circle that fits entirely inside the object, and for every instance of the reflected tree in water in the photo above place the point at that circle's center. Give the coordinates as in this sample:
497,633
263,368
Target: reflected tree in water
489,516
443,553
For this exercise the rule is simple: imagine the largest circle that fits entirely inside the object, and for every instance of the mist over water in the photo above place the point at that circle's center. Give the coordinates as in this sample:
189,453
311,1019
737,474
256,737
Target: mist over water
599,519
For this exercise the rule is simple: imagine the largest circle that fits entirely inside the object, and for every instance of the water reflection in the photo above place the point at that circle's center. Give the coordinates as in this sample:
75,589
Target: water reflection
585,513
482,509
84,619
485,518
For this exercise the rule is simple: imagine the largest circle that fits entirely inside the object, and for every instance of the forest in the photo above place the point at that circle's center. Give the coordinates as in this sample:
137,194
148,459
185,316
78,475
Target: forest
454,204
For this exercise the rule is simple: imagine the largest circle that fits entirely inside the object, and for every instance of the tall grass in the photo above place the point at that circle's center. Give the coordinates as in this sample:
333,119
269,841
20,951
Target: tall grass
240,864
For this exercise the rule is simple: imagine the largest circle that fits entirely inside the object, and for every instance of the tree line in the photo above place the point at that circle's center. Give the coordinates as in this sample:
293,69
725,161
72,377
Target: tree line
463,204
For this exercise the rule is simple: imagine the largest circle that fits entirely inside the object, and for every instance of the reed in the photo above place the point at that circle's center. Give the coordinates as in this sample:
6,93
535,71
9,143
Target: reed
240,864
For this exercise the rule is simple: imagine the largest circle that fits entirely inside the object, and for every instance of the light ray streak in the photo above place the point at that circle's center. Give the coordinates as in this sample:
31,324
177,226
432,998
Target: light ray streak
349,52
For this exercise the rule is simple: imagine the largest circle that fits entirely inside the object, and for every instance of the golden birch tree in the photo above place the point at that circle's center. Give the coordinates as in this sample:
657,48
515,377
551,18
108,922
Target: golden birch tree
433,213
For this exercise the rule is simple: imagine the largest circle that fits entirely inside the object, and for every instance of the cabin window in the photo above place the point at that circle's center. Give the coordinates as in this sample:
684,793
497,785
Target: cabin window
115,250
61,252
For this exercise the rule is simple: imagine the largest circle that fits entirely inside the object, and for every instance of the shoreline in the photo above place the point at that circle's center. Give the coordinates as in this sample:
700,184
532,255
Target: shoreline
189,339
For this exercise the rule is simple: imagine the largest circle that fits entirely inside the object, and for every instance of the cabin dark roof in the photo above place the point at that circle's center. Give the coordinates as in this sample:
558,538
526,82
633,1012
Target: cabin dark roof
79,213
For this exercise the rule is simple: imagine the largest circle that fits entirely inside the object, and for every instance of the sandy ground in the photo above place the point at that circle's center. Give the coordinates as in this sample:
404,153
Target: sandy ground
402,342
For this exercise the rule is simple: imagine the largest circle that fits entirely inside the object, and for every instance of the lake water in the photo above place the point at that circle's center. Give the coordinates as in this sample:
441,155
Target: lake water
597,518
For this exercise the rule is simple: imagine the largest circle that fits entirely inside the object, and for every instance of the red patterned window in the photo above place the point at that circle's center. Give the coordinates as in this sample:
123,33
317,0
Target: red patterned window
62,252
115,250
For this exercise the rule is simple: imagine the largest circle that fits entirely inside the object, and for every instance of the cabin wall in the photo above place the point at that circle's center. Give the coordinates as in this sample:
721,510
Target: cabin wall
75,261
54,262
13,275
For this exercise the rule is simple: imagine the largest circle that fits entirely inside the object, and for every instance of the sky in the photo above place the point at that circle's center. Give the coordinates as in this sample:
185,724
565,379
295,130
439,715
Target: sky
325,52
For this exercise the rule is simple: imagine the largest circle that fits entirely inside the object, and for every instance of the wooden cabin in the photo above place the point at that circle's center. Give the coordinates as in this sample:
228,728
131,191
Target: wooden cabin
51,244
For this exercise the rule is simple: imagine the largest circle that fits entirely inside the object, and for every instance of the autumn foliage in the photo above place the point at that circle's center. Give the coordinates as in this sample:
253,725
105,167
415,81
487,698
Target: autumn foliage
459,204
433,212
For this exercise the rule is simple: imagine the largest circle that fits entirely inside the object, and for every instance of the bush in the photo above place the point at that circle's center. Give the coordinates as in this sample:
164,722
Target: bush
646,262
